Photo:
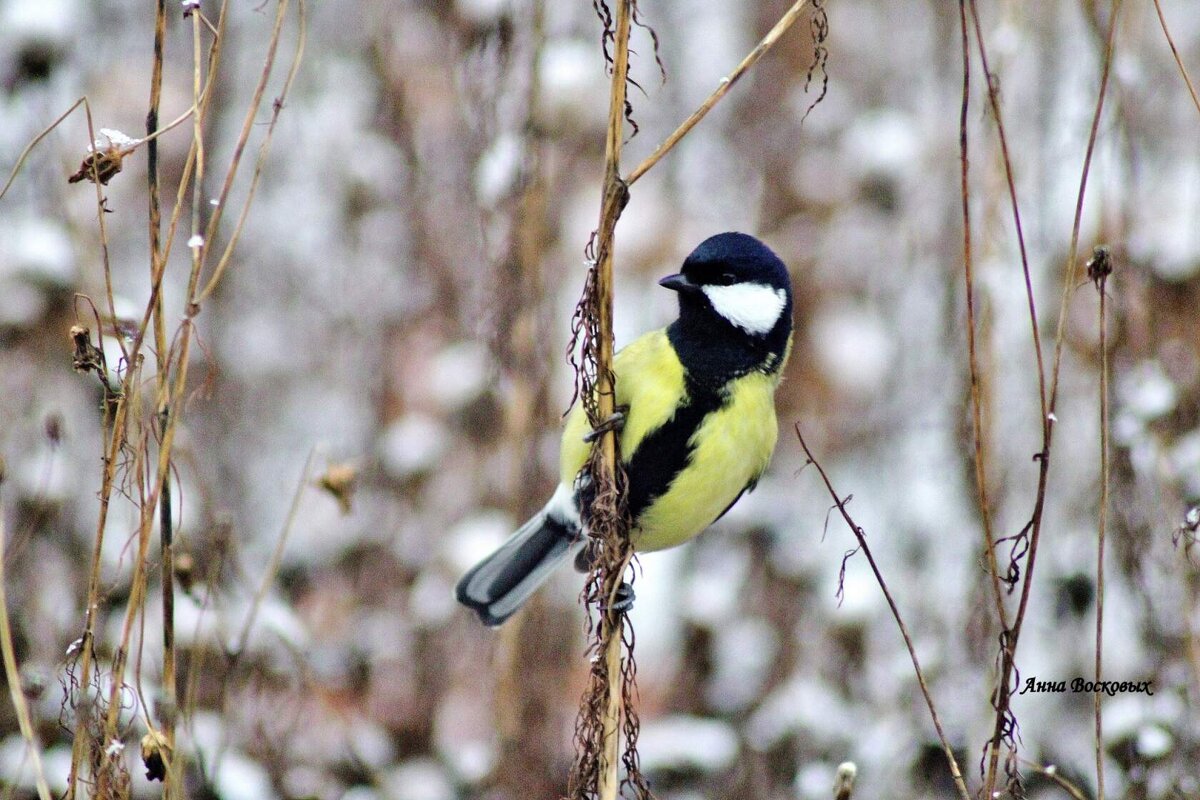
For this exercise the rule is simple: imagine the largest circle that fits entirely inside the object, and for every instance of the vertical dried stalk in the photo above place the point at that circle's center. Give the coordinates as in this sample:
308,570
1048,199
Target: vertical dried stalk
598,726
1099,268
985,512
611,623
165,715
606,711
125,429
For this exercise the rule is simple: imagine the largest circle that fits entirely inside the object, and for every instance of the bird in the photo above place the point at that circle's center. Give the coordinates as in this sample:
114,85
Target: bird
697,427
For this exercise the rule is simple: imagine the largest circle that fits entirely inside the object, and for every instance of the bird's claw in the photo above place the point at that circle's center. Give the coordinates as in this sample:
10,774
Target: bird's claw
615,422
623,599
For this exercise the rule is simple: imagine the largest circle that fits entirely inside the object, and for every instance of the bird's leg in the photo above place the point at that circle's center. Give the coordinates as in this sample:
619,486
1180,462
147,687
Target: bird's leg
614,423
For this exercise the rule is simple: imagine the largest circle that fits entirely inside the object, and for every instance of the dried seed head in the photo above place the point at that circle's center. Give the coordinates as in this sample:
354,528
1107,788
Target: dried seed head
340,481
843,782
1100,265
99,166
185,571
87,357
105,156
156,751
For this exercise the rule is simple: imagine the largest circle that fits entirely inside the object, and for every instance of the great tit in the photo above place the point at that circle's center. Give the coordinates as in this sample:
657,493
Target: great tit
699,429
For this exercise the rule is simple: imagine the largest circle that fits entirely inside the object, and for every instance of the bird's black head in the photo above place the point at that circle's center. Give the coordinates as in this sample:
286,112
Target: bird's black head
735,306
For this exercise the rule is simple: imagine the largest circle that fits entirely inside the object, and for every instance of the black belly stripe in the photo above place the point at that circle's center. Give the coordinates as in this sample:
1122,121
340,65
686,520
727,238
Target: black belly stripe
665,451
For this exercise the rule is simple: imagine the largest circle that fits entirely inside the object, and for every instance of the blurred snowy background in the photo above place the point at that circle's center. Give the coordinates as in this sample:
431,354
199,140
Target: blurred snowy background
400,304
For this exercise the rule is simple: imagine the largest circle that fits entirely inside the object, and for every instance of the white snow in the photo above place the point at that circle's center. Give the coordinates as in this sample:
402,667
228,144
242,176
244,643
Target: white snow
417,779
458,373
1147,391
498,169
412,444
687,742
474,537
239,777
852,346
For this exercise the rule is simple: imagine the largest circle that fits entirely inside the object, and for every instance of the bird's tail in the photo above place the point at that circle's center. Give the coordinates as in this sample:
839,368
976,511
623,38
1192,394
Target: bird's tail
497,586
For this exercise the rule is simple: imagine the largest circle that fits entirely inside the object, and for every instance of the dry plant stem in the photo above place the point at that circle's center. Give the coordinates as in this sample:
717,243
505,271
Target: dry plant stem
1100,534
861,536
1002,695
985,513
611,623
169,396
13,678
239,149
165,715
774,35
998,116
184,184
1008,657
264,148
116,438
1162,20
1072,255
103,226
82,707
134,603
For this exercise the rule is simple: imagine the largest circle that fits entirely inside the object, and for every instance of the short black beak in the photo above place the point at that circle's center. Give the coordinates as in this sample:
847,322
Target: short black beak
679,283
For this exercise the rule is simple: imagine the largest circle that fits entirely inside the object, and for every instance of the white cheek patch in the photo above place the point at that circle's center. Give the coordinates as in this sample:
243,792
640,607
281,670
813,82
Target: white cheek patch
753,307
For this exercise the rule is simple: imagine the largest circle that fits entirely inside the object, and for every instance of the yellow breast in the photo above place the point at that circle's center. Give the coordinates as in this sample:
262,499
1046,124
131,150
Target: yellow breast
730,449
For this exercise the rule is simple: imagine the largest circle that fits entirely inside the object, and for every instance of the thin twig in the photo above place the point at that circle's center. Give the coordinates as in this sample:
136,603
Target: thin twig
1072,278
62,117
781,27
1099,268
34,143
1162,20
993,86
13,678
861,536
83,707
261,160
985,512
185,179
102,225
1011,635
214,221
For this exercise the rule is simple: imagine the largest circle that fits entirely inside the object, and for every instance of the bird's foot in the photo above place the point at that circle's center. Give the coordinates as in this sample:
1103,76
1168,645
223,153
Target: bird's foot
623,600
615,422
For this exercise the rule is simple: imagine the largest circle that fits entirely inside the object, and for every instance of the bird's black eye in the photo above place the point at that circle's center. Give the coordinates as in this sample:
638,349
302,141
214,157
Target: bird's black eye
726,279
